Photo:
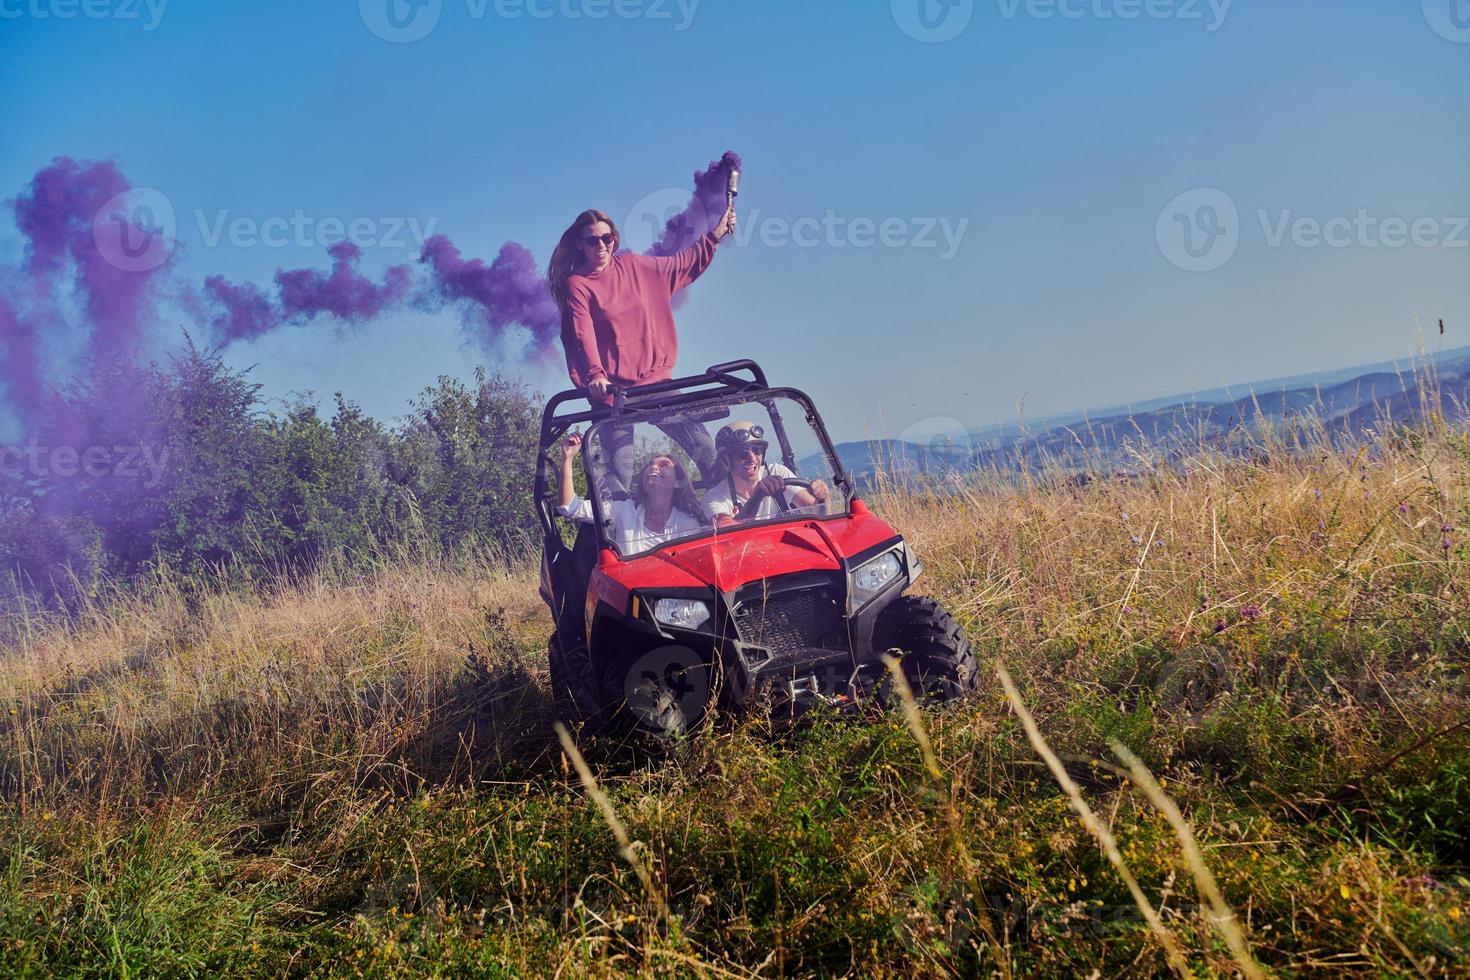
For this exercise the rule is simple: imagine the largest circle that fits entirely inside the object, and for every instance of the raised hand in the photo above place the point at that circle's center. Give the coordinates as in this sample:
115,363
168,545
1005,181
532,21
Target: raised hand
726,223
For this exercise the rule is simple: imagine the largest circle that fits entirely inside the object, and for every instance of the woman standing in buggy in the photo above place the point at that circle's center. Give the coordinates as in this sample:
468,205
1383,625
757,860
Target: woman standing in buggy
618,323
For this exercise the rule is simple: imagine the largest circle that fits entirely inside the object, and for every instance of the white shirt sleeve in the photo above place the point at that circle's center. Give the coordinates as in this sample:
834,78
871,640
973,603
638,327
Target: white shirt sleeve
578,510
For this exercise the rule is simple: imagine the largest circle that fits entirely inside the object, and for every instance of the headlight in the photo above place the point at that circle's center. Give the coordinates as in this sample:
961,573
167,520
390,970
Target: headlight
874,576
684,614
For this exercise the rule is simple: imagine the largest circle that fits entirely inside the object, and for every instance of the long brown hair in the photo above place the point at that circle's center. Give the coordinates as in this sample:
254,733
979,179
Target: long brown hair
568,253
684,498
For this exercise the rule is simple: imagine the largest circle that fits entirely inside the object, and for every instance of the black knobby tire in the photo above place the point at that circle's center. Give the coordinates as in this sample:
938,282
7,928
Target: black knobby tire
937,660
659,715
573,685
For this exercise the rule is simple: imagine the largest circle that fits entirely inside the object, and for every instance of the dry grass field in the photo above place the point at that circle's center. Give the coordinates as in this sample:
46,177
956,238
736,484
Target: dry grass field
357,775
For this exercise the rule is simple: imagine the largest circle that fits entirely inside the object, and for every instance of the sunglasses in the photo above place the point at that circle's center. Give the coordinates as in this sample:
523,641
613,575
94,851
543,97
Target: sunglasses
592,241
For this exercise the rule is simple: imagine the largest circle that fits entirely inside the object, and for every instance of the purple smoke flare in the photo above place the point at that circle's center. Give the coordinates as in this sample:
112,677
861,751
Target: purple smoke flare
62,216
82,233
509,291
345,294
704,210
244,311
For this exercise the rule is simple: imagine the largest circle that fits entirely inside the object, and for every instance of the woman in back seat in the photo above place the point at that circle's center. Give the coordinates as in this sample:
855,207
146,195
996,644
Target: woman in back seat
662,506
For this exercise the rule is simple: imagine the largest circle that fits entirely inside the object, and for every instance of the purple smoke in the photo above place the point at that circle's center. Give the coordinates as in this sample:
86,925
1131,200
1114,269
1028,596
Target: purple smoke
88,237
244,311
704,210
508,291
20,371
345,294
76,219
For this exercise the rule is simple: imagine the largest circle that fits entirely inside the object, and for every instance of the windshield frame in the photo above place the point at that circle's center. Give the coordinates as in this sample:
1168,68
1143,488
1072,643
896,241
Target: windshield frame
634,414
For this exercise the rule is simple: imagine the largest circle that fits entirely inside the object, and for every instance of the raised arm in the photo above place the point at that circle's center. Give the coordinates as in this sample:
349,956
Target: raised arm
682,268
565,492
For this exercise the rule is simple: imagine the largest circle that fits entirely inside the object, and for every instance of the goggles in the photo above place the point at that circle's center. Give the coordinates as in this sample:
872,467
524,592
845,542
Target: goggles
741,436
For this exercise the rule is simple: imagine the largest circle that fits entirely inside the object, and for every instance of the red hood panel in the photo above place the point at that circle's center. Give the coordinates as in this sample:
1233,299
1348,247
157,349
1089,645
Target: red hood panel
733,558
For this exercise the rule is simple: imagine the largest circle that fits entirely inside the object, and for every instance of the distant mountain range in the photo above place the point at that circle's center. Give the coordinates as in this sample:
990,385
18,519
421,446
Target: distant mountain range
1346,401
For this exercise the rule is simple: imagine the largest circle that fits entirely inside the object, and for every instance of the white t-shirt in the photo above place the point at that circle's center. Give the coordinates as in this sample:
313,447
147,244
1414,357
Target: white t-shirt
629,533
718,500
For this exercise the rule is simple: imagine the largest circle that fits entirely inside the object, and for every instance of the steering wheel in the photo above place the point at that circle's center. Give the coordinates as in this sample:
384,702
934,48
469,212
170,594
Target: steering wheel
753,505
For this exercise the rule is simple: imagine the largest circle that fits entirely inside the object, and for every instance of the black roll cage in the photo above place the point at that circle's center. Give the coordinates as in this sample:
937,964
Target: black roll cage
716,384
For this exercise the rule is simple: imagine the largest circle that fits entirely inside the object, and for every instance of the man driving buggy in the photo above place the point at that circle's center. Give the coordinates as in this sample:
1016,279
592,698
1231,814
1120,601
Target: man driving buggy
742,452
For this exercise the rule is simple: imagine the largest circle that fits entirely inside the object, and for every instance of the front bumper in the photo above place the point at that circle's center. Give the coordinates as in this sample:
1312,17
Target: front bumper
790,644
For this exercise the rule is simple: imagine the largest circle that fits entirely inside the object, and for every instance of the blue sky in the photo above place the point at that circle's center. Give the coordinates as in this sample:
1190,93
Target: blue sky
1056,144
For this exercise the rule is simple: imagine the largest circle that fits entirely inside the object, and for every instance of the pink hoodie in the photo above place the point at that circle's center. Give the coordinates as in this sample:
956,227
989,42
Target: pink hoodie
619,322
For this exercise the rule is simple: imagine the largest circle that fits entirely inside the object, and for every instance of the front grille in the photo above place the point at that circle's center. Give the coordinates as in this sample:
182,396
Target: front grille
789,617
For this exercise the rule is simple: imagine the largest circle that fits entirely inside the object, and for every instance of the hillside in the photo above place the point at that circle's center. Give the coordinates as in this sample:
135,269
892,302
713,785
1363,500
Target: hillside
1346,401
355,775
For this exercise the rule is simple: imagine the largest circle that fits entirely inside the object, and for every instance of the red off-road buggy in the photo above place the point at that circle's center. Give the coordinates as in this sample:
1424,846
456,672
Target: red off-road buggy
777,613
